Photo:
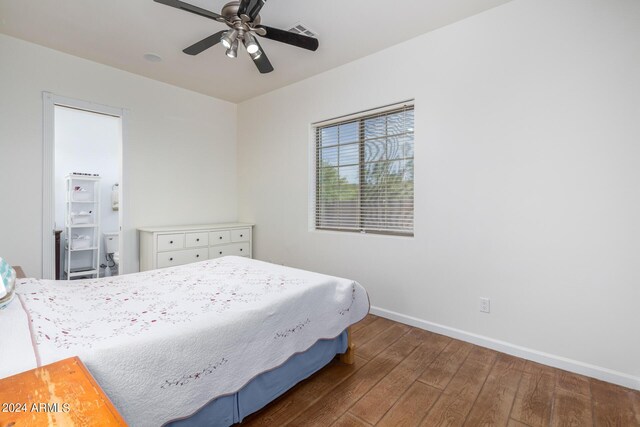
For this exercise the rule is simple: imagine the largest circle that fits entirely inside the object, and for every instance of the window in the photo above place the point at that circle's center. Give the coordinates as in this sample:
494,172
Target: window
364,173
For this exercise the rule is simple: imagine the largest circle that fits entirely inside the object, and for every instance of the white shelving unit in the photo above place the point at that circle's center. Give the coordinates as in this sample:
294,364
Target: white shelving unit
82,227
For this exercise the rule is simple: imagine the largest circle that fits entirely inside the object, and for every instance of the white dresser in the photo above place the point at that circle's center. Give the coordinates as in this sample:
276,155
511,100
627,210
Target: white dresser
168,246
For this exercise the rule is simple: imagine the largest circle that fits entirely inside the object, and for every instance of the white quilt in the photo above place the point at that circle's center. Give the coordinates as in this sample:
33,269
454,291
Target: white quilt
163,343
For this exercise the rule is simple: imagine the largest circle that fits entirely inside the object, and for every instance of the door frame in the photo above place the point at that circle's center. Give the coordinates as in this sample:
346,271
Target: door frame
49,102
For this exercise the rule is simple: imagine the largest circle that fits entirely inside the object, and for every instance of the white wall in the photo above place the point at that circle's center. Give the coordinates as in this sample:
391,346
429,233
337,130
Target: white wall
87,142
527,149
179,153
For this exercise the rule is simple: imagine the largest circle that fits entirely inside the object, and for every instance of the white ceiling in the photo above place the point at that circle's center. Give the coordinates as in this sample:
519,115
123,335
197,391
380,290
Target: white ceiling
119,32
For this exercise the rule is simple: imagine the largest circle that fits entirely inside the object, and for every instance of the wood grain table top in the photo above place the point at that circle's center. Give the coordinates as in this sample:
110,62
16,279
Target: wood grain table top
60,394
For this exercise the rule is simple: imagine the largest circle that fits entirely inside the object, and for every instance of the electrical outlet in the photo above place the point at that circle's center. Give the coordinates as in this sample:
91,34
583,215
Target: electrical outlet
485,305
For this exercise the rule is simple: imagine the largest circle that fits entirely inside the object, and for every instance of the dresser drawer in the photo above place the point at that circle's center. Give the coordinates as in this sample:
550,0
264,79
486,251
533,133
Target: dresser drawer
241,235
219,237
197,255
241,249
169,259
196,240
238,249
170,242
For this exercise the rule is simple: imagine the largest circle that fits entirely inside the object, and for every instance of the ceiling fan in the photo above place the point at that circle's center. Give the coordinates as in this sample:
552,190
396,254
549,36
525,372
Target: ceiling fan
243,19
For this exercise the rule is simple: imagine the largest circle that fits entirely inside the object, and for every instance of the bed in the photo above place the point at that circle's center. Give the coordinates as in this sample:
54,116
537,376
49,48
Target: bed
200,344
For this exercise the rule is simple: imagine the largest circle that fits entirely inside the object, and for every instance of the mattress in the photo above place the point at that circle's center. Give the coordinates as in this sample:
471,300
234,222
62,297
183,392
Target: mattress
228,410
182,336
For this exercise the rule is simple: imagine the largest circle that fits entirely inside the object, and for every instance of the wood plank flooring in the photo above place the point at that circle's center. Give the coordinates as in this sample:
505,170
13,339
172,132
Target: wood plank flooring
405,376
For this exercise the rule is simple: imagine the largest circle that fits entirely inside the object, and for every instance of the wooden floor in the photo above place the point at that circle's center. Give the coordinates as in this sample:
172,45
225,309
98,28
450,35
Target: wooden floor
405,376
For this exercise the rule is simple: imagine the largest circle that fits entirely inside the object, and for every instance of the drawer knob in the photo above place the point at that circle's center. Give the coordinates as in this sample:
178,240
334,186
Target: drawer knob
220,237
197,240
241,235
240,249
170,259
220,252
171,242
198,256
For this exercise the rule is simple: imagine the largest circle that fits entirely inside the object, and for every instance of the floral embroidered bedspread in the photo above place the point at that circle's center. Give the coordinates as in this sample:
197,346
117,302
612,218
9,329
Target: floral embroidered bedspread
163,343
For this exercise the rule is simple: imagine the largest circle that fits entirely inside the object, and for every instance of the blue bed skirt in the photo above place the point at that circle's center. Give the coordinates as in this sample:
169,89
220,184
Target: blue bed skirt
266,387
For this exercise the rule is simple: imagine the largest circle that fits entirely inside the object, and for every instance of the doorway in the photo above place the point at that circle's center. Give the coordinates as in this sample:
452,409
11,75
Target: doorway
82,217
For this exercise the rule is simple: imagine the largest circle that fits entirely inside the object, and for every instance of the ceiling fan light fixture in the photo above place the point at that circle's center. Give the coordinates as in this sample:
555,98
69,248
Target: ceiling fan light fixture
229,38
232,52
250,44
255,55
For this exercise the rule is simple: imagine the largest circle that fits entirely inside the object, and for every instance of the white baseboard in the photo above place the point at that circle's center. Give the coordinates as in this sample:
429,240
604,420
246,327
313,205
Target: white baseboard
559,362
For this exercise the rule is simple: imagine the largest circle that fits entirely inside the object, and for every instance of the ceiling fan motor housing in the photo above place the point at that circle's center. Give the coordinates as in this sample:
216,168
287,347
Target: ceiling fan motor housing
230,13
242,25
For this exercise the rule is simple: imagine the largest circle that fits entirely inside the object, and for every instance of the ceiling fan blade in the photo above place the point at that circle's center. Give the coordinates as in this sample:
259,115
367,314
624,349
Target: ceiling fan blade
243,7
263,63
298,40
254,8
204,44
191,8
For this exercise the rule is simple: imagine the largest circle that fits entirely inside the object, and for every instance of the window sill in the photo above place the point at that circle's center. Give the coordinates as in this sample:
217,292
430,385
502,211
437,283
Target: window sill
359,234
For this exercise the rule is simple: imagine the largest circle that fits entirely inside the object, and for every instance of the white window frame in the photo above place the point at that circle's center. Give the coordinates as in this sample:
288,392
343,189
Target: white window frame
312,159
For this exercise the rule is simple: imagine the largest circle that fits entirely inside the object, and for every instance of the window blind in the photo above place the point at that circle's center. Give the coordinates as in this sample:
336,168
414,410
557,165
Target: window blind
364,173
